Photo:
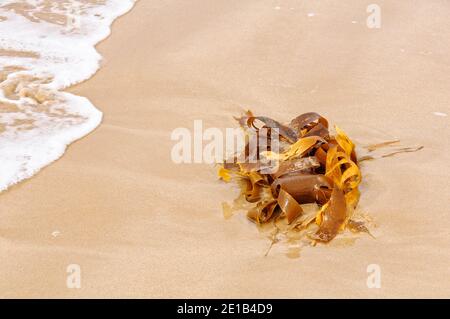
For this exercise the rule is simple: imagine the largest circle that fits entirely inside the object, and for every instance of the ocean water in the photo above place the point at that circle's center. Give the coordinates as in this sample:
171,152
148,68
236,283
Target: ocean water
45,47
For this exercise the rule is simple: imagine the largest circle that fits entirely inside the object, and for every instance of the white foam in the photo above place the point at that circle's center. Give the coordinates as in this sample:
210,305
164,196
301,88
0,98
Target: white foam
46,46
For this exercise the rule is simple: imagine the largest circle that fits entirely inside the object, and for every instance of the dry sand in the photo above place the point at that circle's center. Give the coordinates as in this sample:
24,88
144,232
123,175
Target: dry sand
141,226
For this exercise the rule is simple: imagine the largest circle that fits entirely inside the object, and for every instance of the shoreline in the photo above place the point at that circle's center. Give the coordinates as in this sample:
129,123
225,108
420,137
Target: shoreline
34,82
140,226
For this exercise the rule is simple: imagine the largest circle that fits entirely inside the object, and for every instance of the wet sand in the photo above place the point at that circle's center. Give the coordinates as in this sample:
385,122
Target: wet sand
141,226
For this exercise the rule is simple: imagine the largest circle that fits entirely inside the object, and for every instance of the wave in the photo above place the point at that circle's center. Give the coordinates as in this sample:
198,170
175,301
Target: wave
45,47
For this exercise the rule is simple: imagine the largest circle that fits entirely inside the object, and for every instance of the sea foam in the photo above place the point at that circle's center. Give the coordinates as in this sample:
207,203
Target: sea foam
46,46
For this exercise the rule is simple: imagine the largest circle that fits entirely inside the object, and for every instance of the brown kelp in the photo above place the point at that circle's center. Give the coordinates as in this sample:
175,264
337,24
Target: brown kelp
309,165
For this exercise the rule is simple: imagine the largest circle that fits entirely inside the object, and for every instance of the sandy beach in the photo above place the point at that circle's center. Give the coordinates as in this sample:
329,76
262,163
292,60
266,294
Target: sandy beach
139,225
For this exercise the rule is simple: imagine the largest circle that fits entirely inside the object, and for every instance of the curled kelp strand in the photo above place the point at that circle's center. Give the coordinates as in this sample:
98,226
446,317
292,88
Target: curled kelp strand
299,148
269,123
255,183
302,146
344,141
303,187
248,123
342,170
333,217
307,120
289,206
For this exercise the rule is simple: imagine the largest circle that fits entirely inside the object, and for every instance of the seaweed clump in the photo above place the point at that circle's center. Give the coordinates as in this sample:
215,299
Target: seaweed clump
284,169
